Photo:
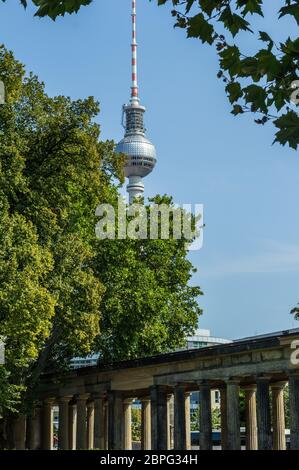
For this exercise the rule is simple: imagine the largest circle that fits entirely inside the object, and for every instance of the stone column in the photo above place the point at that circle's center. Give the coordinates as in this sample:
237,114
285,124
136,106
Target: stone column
47,425
81,435
145,424
19,432
127,404
90,425
263,414
294,411
188,420
223,411
159,426
72,426
106,413
34,429
115,420
251,419
99,422
63,430
170,421
179,418
205,418
233,415
278,416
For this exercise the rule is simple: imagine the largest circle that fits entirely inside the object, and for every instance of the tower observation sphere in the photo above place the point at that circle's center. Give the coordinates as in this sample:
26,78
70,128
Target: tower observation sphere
140,152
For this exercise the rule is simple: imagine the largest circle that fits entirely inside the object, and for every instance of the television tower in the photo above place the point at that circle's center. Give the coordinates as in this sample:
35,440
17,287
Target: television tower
140,152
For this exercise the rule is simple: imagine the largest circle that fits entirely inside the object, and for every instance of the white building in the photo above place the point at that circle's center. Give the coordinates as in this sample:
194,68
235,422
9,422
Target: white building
201,339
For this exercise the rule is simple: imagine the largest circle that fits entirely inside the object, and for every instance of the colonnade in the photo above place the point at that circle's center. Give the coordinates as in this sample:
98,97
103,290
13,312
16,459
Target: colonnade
104,420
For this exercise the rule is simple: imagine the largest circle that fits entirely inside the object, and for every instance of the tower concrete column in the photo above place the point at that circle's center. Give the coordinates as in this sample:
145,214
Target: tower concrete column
99,422
127,404
63,430
233,415
294,410
263,414
188,420
81,434
72,426
278,416
145,424
179,418
90,425
47,424
205,417
159,434
251,418
223,411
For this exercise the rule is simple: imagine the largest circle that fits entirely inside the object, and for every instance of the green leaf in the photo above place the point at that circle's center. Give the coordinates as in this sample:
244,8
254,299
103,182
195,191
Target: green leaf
230,60
292,10
233,22
237,109
54,8
266,38
234,91
198,27
208,6
256,95
268,64
250,6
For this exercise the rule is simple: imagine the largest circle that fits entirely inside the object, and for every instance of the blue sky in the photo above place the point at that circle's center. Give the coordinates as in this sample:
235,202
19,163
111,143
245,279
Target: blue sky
248,267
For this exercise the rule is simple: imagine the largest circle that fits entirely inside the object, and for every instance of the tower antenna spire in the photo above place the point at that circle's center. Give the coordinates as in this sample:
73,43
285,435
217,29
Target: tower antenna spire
134,92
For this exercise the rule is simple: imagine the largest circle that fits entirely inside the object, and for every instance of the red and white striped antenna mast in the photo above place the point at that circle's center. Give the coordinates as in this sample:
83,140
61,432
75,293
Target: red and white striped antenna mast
134,93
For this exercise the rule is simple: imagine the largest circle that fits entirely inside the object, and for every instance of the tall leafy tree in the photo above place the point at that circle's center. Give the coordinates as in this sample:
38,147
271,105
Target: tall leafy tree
149,305
53,173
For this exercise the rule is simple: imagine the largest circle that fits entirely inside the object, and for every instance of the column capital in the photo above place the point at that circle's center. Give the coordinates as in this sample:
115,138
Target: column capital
128,401
263,378
249,388
181,385
204,384
278,385
233,381
82,396
98,395
49,401
64,399
145,400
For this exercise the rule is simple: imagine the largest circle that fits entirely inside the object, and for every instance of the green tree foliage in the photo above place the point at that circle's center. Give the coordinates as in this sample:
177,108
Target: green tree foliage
136,424
54,8
259,83
216,419
50,185
148,306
